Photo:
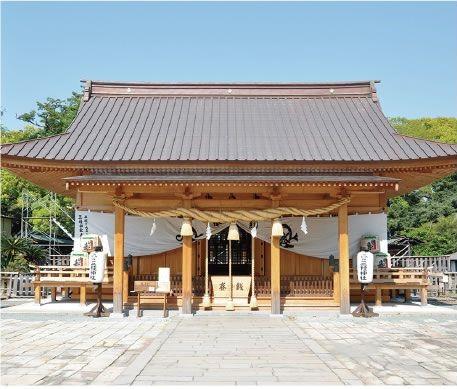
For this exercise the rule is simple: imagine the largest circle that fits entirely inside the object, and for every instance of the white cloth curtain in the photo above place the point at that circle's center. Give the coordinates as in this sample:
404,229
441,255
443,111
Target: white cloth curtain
321,240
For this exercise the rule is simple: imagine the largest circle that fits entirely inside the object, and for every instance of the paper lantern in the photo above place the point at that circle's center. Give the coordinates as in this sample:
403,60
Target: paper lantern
97,264
277,229
186,228
233,233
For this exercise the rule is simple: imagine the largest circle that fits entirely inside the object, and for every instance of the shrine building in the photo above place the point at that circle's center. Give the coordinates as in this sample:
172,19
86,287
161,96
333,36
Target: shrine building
254,195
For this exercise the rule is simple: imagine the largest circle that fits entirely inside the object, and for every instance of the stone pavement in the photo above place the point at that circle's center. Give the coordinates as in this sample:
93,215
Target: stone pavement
230,348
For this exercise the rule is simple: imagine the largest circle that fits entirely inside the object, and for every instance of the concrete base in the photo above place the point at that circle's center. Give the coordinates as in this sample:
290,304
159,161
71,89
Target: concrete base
277,315
116,315
206,301
229,306
253,303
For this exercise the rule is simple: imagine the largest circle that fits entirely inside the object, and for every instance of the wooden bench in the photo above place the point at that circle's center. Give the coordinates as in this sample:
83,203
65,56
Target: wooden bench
394,279
65,277
145,288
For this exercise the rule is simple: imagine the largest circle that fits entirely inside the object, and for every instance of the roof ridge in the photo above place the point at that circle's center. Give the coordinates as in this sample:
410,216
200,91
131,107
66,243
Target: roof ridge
346,88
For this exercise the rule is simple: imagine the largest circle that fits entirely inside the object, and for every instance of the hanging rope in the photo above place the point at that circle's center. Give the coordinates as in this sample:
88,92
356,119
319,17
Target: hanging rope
233,216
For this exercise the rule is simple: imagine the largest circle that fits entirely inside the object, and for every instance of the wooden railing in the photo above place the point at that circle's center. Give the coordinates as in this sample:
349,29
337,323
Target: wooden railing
67,274
16,284
297,286
292,286
198,283
398,276
440,263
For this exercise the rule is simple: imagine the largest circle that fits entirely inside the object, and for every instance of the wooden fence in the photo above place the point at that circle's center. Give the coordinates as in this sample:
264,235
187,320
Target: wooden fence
297,286
452,281
16,284
293,286
440,263
439,269
395,276
67,274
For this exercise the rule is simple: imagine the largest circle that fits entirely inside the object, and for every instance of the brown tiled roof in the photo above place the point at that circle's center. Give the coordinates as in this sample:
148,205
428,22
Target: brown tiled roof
229,122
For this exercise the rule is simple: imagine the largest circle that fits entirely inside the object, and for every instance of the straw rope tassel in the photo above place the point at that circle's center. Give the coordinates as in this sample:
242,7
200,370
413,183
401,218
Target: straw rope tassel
233,216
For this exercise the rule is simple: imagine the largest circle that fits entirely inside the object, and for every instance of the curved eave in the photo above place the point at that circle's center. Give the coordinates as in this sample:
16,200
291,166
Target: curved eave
448,161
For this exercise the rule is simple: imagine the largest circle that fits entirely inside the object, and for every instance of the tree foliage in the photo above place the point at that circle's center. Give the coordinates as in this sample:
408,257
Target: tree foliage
442,129
429,213
18,253
51,117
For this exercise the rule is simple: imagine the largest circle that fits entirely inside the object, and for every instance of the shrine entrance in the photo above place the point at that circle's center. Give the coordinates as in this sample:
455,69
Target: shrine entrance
230,267
218,254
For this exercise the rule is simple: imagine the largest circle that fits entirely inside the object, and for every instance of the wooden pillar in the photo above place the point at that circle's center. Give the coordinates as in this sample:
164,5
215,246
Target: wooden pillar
407,295
336,286
82,295
53,294
186,275
275,276
119,222
345,305
378,298
37,294
424,296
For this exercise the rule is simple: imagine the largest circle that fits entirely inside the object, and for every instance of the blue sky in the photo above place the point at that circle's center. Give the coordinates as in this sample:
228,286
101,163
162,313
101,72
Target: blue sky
412,47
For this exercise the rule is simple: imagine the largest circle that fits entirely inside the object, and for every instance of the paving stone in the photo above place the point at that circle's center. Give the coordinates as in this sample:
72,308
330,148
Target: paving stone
230,349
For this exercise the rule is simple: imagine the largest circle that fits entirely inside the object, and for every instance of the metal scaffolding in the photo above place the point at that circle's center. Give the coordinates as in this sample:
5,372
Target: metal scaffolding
51,238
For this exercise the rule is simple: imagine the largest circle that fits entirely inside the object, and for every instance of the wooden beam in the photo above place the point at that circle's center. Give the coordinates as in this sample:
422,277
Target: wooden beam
345,306
275,276
119,224
186,275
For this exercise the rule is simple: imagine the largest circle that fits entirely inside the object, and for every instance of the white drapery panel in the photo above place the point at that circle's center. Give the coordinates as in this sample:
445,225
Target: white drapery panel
321,240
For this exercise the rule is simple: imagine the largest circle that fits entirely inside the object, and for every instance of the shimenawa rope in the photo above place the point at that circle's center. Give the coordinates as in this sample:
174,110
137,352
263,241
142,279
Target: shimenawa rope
232,216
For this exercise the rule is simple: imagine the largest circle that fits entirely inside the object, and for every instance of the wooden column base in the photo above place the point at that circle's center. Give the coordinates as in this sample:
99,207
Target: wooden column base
37,294
53,294
378,297
407,295
424,300
82,295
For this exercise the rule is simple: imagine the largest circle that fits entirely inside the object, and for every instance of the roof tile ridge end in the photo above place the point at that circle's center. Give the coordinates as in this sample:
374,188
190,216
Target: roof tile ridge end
66,132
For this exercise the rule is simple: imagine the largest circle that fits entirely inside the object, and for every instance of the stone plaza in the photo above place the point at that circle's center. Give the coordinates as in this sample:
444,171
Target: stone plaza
229,348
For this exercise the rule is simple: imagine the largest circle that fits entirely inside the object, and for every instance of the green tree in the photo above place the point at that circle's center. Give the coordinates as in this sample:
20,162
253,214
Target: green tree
19,253
51,117
428,213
